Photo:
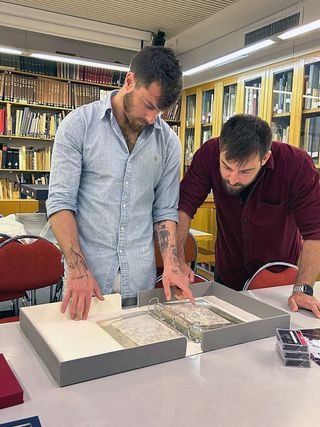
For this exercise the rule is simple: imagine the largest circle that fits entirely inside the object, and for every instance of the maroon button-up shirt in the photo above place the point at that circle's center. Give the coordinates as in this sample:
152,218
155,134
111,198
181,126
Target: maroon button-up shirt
283,205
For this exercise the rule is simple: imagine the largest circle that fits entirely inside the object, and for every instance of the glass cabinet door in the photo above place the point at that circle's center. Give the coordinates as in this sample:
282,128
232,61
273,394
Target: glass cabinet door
281,105
229,101
207,115
252,96
189,130
310,129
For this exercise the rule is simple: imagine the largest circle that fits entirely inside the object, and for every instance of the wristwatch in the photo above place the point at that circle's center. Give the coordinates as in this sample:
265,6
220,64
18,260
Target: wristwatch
305,289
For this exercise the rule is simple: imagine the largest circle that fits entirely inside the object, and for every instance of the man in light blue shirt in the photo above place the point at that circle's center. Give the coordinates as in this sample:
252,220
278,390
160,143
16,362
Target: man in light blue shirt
114,182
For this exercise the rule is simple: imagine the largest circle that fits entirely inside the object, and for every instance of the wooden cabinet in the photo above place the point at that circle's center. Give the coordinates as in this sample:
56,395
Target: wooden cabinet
12,206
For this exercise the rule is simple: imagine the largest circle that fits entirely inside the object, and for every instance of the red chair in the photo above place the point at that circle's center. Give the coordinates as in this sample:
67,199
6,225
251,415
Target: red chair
27,267
191,254
271,275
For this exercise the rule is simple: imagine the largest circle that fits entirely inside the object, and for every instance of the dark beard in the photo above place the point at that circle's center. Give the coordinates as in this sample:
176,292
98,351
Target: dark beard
133,124
233,191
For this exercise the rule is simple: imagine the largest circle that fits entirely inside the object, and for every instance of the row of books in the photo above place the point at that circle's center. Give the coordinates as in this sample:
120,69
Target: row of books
252,96
310,137
229,101
282,92
312,86
189,149
29,123
62,70
207,104
47,92
206,134
9,189
173,113
191,111
90,74
176,129
280,131
25,157
28,64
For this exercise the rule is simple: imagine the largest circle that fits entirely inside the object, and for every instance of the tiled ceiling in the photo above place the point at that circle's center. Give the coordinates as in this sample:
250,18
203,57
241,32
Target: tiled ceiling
170,16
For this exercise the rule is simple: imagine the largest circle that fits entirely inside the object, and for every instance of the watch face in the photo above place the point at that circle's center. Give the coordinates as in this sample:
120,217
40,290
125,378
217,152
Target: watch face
308,290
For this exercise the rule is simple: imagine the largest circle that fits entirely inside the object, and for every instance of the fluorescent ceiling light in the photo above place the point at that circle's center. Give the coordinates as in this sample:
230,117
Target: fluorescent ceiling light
10,50
79,61
302,29
241,53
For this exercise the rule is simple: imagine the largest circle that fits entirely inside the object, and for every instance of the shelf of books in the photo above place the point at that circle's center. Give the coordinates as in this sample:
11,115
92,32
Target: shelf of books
207,118
172,116
35,96
282,104
252,96
310,124
229,101
190,122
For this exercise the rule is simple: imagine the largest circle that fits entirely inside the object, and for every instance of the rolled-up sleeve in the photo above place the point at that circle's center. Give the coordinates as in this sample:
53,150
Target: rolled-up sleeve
196,184
66,164
165,206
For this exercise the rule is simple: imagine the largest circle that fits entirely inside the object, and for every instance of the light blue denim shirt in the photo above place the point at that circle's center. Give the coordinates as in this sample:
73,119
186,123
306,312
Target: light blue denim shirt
117,197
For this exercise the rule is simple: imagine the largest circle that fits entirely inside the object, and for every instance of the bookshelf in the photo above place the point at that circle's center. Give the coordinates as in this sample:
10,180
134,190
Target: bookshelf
310,123
207,115
252,96
190,121
281,104
35,96
229,101
172,116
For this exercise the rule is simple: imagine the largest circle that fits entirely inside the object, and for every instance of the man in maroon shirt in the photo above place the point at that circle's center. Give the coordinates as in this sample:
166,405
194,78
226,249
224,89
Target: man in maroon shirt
267,197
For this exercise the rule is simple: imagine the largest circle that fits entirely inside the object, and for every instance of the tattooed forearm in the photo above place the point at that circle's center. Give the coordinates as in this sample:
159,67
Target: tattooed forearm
162,235
168,250
78,263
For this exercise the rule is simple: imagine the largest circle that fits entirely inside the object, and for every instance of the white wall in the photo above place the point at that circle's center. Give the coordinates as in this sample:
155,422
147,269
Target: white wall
36,41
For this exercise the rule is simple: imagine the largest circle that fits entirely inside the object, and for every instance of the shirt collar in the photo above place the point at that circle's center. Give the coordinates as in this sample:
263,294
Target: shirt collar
270,162
106,108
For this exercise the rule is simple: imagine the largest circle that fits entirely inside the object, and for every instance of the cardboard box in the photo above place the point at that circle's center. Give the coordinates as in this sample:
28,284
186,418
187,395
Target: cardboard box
76,351
79,351
262,323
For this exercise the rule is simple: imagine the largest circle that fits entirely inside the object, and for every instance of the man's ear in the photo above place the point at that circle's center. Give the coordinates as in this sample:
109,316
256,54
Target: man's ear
266,158
129,82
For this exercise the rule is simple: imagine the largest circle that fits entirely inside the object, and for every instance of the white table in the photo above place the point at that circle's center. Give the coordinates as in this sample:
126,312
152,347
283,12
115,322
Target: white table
245,385
201,235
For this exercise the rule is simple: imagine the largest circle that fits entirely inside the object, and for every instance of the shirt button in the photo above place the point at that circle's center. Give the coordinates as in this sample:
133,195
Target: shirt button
124,205
122,228
245,220
120,251
126,182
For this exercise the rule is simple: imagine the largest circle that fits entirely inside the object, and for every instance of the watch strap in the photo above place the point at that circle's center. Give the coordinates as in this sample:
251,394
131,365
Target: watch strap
305,289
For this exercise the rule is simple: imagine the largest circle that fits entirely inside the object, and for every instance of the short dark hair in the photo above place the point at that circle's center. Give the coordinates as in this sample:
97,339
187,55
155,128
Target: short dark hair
159,64
244,136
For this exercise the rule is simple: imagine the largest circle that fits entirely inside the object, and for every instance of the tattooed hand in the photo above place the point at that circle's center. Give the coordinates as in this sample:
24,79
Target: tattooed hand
176,278
165,235
187,271
81,285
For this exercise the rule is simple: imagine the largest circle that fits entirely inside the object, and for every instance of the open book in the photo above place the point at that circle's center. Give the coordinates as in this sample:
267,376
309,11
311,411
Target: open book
163,322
